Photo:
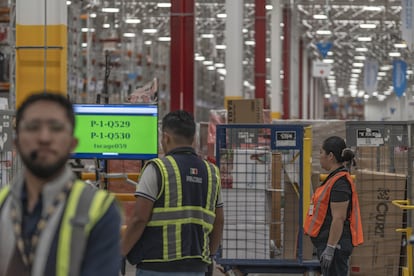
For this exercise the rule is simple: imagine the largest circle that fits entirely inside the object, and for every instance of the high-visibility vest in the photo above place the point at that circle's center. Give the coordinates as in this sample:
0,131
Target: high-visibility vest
84,207
319,208
183,214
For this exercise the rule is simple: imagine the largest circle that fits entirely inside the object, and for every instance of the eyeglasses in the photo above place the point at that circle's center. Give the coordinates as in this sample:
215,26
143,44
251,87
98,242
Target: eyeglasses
36,126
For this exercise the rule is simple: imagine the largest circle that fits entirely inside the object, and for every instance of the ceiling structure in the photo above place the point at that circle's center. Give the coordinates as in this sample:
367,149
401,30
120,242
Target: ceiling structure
339,20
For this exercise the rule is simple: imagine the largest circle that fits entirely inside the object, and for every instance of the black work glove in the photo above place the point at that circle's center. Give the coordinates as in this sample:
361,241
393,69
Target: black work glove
327,257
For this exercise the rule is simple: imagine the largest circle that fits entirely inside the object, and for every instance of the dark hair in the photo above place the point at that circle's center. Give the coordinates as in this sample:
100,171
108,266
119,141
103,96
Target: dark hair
337,146
181,124
60,99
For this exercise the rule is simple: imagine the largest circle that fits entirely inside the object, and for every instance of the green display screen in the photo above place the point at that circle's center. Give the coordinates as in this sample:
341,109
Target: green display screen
116,131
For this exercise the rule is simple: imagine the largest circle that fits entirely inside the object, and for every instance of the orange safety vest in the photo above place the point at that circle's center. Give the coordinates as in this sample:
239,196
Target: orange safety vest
319,208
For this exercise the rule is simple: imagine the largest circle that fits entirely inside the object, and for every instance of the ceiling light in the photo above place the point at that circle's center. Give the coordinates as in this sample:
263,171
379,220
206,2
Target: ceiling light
354,75
219,65
359,57
164,38
245,30
129,34
132,20
327,60
385,68
148,42
330,53
383,74
269,7
361,93
149,31
323,32
268,60
356,70
68,2
367,26
372,8
110,10
207,62
84,45
221,15
400,45
200,58
250,42
358,64
394,54
164,5
207,36
211,68
320,16
409,72
327,96
92,15
220,47
222,71
106,26
85,30
361,49
363,38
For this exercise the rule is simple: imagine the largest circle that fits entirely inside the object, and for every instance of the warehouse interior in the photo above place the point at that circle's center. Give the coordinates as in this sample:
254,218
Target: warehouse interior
308,69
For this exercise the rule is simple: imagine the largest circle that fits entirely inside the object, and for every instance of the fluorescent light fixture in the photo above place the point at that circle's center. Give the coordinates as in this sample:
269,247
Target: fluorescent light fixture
207,62
400,45
85,30
269,7
268,59
149,31
68,2
116,25
221,15
129,34
148,42
250,42
354,93
356,70
132,20
375,93
382,74
409,72
355,75
381,97
361,93
364,38
327,96
366,96
385,68
221,47
219,65
394,54
330,53
367,26
211,68
245,30
164,38
200,58
327,60
320,16
164,5
207,36
361,49
358,64
106,26
323,32
84,45
359,57
372,8
92,15
110,10
379,78
222,71
331,81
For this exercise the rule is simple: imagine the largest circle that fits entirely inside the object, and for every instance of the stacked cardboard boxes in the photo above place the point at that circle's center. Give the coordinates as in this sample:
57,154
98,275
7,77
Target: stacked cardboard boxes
380,253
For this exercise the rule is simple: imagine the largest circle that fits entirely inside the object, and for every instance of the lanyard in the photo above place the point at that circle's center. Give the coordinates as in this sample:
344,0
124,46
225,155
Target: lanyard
27,248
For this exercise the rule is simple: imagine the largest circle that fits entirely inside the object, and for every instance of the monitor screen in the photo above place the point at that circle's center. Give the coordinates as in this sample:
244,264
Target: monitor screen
122,131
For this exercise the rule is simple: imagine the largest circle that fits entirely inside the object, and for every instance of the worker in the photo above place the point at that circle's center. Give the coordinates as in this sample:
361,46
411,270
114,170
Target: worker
333,220
178,219
50,222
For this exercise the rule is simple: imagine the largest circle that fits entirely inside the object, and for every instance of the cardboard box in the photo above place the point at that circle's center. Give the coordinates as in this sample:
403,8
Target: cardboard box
380,252
245,111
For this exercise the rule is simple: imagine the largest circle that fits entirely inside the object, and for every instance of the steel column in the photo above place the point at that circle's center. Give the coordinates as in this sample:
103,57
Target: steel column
286,62
182,55
260,51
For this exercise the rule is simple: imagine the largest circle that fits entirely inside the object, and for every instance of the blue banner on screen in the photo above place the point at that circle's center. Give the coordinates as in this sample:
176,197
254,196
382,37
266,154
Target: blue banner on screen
399,80
324,48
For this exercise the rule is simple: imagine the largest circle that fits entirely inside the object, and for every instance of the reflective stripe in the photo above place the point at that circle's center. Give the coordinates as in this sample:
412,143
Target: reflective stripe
165,180
63,257
79,236
212,188
3,194
175,195
163,214
82,200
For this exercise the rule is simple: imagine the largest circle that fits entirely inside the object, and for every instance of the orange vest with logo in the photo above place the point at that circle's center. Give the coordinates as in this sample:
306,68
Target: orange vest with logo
319,208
